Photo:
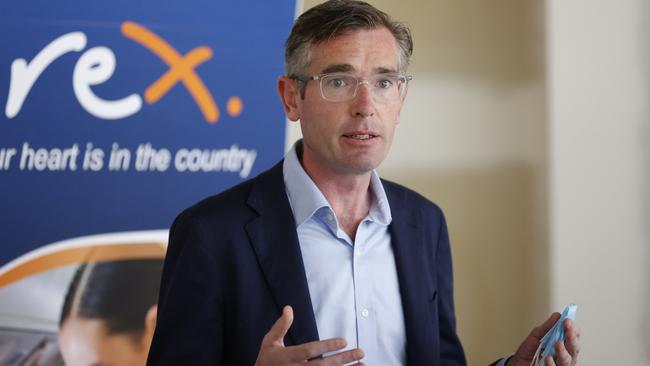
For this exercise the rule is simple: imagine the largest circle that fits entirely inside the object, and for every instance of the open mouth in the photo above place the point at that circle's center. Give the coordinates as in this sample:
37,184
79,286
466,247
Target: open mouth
360,136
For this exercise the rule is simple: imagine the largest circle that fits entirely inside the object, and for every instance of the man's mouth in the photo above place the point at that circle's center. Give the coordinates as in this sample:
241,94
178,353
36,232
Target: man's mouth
360,136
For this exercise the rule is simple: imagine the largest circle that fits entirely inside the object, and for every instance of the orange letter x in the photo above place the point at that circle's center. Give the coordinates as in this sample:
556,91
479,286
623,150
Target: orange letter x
180,69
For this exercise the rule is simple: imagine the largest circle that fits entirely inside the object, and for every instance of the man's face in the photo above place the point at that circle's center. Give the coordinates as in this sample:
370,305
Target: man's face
334,133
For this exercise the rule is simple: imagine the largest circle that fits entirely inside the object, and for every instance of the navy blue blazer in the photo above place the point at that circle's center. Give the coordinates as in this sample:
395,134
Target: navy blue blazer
234,261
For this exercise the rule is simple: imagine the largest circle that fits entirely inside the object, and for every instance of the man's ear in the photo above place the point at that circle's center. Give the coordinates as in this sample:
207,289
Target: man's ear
149,327
150,319
289,90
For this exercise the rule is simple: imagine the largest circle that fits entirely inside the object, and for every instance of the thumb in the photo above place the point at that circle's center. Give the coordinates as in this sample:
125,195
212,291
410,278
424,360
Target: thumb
527,348
543,328
275,336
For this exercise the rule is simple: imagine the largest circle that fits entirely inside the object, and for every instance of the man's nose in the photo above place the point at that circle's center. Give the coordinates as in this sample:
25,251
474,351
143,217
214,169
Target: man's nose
364,105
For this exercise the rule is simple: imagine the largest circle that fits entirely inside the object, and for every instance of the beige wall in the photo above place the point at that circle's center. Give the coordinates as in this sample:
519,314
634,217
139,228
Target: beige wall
599,68
483,132
472,139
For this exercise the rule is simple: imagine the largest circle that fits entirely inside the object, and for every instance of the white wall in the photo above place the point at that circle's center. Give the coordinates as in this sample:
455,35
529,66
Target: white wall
599,72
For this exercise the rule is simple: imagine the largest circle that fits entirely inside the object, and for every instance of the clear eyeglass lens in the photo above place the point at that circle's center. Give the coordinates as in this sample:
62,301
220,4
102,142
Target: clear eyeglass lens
342,87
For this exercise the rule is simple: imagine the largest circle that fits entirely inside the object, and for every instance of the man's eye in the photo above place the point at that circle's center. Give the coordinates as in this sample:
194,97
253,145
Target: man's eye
337,83
385,83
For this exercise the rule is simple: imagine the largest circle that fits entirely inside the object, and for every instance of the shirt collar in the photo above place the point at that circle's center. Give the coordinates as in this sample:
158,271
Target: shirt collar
305,198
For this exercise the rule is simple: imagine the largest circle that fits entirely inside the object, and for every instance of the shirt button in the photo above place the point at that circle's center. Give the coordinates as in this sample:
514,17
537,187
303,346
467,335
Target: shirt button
365,313
330,217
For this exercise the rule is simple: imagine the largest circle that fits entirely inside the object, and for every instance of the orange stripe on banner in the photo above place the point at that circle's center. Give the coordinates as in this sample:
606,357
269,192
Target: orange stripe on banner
94,253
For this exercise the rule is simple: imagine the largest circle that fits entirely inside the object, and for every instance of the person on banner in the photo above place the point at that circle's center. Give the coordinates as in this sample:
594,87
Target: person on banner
317,260
109,313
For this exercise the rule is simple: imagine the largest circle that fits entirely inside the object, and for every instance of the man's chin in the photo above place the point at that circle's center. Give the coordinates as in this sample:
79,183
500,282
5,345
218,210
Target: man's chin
361,167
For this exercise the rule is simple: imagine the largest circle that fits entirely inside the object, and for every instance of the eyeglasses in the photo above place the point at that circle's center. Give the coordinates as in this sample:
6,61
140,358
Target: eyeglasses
341,87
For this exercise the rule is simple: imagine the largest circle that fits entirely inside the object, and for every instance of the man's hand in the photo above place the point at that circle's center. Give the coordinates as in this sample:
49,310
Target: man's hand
566,352
274,353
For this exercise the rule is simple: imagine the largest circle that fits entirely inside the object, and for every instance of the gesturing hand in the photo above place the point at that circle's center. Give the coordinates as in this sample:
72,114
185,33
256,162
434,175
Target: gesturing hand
566,352
274,353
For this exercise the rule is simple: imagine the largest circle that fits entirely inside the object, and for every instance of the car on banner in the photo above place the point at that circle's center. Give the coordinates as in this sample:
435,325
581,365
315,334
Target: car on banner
66,300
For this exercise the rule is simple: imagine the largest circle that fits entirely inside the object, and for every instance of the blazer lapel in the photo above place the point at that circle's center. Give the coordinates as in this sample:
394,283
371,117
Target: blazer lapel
407,240
275,241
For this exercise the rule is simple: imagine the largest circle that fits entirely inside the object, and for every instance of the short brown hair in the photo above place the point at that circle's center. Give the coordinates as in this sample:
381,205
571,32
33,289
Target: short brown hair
335,17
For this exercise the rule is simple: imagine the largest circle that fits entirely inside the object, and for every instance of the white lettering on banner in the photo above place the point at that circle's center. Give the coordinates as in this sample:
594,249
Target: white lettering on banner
148,158
143,158
94,67
233,160
93,158
5,158
53,159
120,158
24,75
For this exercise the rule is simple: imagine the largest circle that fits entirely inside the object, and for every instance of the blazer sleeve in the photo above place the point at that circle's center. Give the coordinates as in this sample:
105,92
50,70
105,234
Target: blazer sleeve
189,328
451,350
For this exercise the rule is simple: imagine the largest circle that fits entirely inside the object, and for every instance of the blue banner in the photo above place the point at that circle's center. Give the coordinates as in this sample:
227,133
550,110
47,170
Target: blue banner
116,116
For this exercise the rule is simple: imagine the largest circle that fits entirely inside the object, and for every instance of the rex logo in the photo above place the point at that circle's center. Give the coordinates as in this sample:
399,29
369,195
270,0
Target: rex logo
97,65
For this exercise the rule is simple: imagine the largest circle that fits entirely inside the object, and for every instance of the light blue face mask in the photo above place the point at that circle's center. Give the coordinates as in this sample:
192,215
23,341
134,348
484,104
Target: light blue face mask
547,344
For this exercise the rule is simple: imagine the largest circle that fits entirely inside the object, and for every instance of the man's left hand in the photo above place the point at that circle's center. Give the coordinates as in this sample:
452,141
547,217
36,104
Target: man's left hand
566,352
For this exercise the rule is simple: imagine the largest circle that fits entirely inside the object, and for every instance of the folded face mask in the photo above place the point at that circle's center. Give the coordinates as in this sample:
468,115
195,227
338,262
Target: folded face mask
547,345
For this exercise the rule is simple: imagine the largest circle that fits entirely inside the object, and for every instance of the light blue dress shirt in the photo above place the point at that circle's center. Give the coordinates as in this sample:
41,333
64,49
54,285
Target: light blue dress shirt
352,282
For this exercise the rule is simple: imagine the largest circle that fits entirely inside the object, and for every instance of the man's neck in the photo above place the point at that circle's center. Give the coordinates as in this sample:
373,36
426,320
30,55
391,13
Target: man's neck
348,194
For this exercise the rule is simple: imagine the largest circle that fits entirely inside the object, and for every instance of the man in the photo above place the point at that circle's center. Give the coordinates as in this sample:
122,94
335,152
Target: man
317,260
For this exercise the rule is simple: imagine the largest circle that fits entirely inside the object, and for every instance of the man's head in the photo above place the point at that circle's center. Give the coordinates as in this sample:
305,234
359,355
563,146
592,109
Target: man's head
346,83
333,18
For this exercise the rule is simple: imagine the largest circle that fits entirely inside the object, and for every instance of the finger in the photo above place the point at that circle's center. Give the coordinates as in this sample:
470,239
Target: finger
528,347
548,361
310,350
342,358
280,328
563,357
543,328
572,341
573,325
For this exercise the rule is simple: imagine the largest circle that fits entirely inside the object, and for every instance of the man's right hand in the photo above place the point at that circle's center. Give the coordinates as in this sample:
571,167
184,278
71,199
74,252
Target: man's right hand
274,353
